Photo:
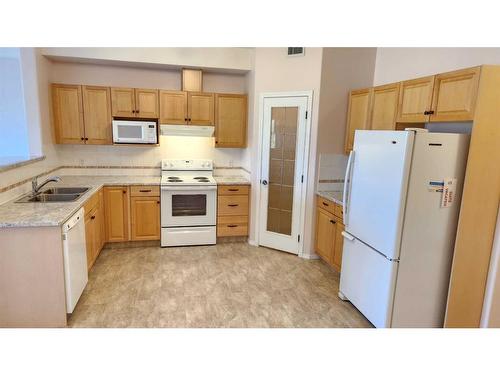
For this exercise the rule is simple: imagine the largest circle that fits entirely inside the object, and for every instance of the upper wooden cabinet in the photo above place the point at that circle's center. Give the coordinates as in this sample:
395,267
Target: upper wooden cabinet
415,99
173,107
67,109
129,102
97,115
200,108
230,120
192,80
357,115
384,107
454,97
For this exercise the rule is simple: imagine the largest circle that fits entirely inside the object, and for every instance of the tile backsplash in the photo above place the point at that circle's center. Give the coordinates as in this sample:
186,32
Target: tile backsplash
331,172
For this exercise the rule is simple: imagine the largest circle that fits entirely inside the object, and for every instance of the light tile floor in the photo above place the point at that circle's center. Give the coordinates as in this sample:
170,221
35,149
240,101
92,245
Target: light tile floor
227,285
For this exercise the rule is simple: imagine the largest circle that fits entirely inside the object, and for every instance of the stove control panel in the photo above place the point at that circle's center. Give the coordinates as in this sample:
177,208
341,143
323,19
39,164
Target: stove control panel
186,165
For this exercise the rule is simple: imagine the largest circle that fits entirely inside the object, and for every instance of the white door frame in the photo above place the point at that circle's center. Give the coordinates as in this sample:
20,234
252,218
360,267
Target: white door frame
309,95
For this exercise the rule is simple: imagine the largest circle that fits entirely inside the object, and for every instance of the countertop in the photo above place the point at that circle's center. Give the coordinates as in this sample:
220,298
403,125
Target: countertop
56,213
231,180
334,196
20,215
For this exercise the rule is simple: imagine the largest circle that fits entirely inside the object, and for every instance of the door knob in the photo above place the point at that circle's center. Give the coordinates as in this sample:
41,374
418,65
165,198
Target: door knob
264,182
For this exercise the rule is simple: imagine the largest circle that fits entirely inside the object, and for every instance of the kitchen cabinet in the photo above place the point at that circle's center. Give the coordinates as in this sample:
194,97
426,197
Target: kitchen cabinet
232,210
329,241
130,102
94,227
384,107
145,213
230,120
200,108
192,80
173,107
116,207
67,111
415,100
97,115
357,115
454,95
186,108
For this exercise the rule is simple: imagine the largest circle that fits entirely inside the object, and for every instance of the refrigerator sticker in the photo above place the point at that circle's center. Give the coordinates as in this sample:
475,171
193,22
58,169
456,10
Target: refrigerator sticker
436,186
448,196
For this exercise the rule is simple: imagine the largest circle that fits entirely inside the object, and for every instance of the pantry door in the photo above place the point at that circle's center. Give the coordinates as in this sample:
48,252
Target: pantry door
283,143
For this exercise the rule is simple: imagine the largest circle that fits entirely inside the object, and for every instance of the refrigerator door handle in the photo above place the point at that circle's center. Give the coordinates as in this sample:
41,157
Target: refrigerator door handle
347,186
347,236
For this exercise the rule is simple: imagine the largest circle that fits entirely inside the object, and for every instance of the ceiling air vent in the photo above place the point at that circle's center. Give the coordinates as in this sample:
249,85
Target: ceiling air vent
296,51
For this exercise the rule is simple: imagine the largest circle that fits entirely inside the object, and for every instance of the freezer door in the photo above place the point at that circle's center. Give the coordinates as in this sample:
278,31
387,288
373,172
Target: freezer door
368,281
377,188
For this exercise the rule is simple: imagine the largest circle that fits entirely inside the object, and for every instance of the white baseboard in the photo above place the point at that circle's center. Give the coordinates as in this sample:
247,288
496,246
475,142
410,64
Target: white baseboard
309,256
252,242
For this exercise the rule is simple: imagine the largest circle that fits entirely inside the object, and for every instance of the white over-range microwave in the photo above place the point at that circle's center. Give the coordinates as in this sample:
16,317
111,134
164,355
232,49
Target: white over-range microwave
128,131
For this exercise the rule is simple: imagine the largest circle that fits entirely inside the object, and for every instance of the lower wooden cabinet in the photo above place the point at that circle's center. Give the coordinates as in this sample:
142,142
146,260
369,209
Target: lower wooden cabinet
145,218
116,207
329,226
94,227
232,210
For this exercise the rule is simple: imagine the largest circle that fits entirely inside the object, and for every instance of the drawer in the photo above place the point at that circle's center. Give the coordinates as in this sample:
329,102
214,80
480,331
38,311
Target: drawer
326,205
144,191
232,220
232,205
91,203
228,230
339,211
233,190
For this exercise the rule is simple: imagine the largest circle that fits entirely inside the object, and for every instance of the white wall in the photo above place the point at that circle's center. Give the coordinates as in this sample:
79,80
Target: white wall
276,72
237,59
398,64
170,147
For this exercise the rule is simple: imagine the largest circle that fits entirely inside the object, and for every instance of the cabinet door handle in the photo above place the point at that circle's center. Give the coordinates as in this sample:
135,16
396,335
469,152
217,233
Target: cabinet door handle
325,204
431,112
82,139
145,191
124,191
333,222
233,189
233,205
158,202
232,225
92,217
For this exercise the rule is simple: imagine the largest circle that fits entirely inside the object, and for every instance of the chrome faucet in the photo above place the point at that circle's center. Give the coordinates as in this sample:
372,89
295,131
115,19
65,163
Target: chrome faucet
36,188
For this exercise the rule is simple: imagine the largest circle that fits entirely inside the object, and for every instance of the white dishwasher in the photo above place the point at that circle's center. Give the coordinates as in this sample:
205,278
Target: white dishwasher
75,259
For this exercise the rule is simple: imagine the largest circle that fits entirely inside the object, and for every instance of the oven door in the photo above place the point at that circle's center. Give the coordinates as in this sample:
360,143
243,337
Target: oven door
188,206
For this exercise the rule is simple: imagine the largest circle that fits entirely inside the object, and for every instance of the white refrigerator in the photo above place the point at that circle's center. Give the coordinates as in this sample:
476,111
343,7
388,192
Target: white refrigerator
402,197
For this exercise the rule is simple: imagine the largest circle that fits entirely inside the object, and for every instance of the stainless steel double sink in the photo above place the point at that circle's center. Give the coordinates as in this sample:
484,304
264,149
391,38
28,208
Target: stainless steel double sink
55,194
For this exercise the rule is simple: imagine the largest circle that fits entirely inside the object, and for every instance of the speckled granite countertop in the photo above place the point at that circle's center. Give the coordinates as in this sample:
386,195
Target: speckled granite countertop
231,180
54,214
334,196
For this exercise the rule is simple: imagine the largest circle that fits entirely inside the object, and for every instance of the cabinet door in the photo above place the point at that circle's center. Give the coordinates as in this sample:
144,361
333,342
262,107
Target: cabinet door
145,218
89,239
173,107
146,103
325,235
116,213
102,221
192,80
339,246
97,115
358,114
384,107
98,226
455,94
415,99
67,108
230,120
200,108
122,102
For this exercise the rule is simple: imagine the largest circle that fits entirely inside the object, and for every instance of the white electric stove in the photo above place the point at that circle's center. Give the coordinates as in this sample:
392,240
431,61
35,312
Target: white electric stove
188,202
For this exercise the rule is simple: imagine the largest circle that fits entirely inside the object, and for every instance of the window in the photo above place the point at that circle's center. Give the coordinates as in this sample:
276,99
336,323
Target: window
14,142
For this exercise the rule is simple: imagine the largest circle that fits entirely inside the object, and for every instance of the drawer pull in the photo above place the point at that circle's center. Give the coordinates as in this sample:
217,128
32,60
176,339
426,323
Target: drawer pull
325,204
145,191
233,189
92,217
232,226
333,222
233,205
